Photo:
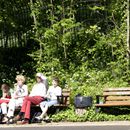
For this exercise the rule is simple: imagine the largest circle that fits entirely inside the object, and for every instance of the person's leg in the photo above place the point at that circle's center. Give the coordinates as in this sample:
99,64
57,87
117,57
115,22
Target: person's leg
35,99
4,108
27,112
23,109
4,112
4,101
44,107
30,100
11,108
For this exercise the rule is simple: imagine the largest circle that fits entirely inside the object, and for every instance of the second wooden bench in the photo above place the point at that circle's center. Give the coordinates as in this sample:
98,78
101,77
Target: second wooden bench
113,97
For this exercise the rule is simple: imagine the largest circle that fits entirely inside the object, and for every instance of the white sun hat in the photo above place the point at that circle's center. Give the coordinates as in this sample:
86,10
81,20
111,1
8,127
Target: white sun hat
40,75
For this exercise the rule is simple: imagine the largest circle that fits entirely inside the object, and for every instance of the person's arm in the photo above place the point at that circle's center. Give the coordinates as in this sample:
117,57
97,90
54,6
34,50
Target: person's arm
48,93
44,90
6,96
58,92
32,91
24,93
15,95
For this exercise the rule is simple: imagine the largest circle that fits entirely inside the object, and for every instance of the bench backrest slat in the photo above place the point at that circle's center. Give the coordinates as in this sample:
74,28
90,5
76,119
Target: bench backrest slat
116,93
116,89
116,97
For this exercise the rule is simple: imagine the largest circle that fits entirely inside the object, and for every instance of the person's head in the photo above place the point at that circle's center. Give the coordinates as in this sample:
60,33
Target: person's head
55,81
39,77
20,80
5,87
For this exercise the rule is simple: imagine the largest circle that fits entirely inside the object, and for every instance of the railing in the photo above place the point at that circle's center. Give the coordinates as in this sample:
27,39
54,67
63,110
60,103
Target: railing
16,24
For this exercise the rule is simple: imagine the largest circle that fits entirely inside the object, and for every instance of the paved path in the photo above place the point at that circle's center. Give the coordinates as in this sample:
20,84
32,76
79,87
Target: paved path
120,125
72,124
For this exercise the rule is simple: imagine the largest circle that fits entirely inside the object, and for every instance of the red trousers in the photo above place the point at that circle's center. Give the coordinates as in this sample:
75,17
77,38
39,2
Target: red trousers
26,106
4,101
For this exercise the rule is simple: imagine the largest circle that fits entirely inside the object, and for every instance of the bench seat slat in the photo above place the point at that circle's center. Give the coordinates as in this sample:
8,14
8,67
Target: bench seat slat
117,102
60,105
114,97
113,104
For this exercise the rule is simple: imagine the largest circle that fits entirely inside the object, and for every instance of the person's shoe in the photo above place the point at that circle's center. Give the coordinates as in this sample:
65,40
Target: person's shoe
47,119
10,120
1,118
23,122
5,119
17,118
38,118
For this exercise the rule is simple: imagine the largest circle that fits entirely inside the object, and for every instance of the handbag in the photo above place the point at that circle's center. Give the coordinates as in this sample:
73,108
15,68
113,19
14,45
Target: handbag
82,101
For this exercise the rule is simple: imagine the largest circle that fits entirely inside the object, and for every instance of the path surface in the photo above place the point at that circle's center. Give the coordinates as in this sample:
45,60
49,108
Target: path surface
119,125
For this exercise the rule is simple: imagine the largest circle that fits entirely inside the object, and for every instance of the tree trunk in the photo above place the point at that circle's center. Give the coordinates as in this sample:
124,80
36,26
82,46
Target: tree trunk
128,33
36,27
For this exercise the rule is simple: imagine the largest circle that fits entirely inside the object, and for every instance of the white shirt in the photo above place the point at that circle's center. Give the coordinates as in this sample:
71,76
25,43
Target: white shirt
21,91
53,92
38,89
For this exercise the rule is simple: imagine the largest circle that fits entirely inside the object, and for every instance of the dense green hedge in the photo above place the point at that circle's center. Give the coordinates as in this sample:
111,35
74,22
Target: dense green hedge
93,85
90,115
82,43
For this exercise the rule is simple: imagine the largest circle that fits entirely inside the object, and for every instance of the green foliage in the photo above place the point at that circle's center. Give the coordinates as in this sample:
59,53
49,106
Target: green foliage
89,115
84,44
86,57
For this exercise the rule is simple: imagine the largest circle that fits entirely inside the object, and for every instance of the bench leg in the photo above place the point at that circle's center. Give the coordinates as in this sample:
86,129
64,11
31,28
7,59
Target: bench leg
57,110
97,109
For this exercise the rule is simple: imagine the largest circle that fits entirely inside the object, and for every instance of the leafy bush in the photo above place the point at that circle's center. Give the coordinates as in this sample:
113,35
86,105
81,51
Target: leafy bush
90,115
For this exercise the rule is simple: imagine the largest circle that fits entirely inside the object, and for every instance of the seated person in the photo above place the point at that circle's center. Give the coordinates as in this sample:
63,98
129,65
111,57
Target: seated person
5,99
36,97
17,97
51,96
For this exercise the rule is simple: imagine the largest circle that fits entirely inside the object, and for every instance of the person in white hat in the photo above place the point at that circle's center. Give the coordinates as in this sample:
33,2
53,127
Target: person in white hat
44,79
36,97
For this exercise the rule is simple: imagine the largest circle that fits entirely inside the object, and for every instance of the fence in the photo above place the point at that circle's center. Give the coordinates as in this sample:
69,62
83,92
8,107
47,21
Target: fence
15,23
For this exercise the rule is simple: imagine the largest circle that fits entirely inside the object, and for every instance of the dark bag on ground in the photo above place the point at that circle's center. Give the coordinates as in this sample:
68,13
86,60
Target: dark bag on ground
82,101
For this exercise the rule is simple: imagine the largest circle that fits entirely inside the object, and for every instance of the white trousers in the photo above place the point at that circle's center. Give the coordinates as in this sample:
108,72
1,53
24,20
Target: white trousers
4,107
14,103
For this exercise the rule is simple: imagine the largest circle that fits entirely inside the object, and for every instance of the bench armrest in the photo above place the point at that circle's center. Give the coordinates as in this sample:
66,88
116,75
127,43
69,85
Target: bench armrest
62,99
98,97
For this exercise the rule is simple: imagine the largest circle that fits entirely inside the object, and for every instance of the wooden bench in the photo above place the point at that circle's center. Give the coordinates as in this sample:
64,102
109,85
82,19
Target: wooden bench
113,97
63,102
64,99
